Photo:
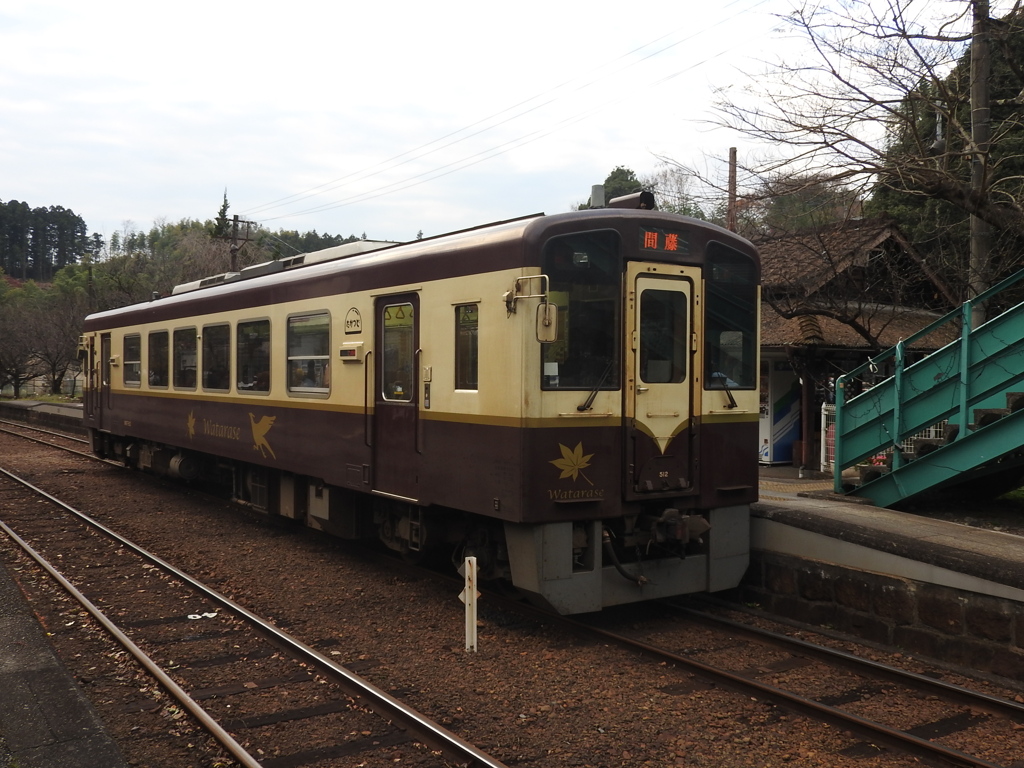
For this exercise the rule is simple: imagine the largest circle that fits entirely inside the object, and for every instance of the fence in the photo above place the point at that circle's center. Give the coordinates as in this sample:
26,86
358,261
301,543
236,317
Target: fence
71,386
828,434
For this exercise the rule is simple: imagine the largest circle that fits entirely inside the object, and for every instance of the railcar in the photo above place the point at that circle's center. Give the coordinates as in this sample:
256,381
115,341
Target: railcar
570,398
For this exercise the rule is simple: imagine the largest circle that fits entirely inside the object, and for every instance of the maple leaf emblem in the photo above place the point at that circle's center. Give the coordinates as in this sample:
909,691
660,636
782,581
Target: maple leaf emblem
573,462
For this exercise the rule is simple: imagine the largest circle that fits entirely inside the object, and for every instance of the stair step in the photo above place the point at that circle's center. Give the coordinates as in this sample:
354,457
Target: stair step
922,446
984,368
985,416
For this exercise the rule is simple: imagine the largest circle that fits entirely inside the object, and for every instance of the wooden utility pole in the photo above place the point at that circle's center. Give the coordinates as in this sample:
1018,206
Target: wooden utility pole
730,209
981,135
241,233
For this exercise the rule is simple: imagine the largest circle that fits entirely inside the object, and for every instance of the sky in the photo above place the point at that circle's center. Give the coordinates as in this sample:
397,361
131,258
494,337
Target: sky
383,119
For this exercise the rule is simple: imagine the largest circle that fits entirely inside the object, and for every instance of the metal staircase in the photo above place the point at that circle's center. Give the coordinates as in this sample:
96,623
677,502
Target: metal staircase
975,386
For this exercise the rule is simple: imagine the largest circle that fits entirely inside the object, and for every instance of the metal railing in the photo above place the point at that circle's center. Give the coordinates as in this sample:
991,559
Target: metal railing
923,396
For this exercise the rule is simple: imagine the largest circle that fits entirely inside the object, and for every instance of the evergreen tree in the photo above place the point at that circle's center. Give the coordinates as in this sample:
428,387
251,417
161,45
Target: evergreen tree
221,225
36,242
621,181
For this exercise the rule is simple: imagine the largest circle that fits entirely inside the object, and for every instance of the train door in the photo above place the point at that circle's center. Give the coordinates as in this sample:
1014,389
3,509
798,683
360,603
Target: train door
90,390
104,382
661,311
396,450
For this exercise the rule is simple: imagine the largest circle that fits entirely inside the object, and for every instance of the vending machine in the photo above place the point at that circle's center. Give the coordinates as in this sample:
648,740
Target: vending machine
780,412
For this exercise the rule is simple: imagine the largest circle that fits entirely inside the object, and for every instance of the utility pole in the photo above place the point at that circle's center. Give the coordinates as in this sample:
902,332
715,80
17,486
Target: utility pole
242,232
981,135
730,209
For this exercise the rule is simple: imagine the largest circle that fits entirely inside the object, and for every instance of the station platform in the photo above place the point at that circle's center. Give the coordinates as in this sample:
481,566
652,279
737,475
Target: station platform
947,591
784,481
45,719
38,411
795,508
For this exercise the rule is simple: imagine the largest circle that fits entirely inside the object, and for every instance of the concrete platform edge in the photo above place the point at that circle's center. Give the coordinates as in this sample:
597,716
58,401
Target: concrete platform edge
987,556
46,721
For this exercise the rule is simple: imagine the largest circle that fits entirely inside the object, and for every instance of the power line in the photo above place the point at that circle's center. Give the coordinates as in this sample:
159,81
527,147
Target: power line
476,158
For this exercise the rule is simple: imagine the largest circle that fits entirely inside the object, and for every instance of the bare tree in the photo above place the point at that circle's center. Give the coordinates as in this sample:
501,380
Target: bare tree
59,319
18,362
673,188
882,102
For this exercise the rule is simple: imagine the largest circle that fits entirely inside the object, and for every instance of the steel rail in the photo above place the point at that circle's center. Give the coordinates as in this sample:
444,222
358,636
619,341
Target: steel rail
224,738
25,425
376,699
860,665
58,447
878,732
902,741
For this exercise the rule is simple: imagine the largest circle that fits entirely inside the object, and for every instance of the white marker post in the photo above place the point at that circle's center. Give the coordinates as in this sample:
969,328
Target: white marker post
469,596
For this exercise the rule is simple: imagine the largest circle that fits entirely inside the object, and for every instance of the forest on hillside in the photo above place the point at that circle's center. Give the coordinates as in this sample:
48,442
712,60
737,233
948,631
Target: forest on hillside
53,273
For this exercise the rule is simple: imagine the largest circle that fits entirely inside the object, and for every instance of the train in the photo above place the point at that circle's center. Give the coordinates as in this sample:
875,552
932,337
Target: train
571,398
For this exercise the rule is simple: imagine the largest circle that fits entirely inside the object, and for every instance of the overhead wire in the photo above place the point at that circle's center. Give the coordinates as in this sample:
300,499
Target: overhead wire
411,154
416,154
486,154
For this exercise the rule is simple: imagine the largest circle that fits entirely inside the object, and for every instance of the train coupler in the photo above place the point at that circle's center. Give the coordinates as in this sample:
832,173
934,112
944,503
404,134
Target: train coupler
672,525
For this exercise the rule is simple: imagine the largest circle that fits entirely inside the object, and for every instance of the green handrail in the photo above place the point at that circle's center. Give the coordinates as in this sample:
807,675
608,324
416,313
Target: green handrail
897,400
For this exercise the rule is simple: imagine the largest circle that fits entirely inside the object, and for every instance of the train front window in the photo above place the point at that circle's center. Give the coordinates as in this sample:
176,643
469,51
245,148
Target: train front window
664,339
585,271
730,320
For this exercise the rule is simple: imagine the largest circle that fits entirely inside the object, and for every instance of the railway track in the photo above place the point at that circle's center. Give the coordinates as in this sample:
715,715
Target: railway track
253,687
938,725
62,440
883,706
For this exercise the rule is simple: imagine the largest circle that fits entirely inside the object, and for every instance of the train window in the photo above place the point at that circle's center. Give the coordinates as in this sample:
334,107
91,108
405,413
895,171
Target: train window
466,357
586,276
309,353
158,351
664,339
730,319
253,356
185,355
133,360
217,357
398,363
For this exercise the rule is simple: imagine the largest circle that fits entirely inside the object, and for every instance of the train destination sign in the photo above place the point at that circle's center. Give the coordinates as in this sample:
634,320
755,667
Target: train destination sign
664,241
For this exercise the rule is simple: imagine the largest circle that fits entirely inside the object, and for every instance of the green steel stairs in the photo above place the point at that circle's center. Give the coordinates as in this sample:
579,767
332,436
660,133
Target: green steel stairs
972,390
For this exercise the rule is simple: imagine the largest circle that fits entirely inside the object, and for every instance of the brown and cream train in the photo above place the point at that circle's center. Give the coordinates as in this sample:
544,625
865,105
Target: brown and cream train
570,398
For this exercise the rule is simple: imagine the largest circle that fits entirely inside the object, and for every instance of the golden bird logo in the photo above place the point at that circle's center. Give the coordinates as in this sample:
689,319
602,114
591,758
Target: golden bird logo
190,425
259,434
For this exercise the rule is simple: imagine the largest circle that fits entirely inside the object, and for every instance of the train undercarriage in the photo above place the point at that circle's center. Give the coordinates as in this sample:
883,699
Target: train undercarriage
571,567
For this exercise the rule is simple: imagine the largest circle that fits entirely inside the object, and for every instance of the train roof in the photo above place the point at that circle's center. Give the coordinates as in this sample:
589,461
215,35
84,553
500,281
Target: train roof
375,264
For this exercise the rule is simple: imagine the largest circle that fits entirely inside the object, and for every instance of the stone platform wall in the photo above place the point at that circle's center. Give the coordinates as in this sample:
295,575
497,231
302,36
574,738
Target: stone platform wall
956,627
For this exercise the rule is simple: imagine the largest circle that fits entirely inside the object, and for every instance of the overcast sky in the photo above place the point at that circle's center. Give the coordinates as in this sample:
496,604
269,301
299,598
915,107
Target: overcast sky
355,117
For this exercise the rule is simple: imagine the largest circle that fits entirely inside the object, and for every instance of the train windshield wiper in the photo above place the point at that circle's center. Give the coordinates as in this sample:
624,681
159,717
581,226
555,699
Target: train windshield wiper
721,381
588,404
